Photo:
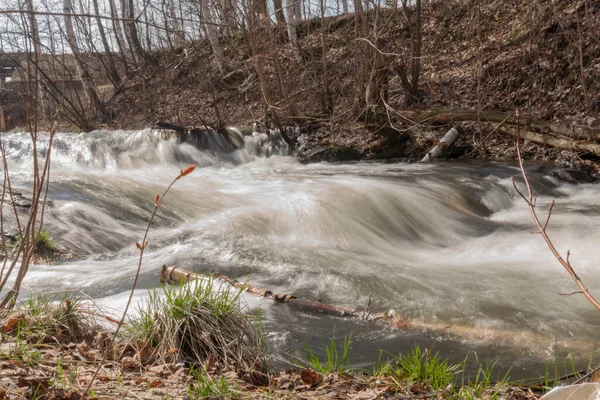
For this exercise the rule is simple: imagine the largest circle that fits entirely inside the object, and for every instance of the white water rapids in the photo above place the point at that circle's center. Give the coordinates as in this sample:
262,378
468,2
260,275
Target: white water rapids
447,243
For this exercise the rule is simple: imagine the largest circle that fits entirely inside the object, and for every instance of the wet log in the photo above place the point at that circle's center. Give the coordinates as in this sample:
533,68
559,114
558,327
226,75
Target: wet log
441,149
174,275
444,117
511,337
585,146
167,125
192,134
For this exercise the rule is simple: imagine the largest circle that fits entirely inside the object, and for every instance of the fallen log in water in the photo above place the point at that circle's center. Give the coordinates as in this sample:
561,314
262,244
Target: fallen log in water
173,274
527,340
197,136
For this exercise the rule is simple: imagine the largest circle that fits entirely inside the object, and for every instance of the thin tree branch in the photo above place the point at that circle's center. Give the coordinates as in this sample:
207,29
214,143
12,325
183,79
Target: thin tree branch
542,229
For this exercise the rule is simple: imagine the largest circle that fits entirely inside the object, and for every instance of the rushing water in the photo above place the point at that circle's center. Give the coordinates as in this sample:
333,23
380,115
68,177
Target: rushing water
443,244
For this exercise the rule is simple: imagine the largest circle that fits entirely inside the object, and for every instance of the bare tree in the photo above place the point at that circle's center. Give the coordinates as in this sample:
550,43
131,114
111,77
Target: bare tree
345,6
327,104
411,88
212,32
278,6
131,32
112,69
118,32
179,35
292,8
261,8
86,79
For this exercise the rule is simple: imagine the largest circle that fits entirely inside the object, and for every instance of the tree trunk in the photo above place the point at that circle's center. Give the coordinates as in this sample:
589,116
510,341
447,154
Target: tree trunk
86,79
211,30
345,6
258,65
441,149
362,54
131,32
179,36
291,8
278,5
118,33
229,12
260,6
444,117
147,31
416,52
327,103
35,37
174,276
112,69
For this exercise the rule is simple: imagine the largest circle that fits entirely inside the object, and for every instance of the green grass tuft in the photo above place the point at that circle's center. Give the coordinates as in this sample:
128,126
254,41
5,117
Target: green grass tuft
335,362
426,368
199,319
203,386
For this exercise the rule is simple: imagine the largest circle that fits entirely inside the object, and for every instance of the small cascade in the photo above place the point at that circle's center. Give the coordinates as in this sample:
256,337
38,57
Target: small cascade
149,147
257,140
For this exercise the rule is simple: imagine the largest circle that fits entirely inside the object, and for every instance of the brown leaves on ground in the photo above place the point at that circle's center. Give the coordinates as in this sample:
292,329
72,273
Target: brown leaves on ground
58,371
311,377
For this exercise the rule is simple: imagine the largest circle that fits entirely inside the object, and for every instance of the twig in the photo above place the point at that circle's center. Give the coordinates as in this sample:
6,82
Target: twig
571,294
584,377
488,136
530,199
157,203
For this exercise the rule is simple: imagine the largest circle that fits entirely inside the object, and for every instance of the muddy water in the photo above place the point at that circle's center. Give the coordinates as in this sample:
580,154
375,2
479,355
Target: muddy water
448,245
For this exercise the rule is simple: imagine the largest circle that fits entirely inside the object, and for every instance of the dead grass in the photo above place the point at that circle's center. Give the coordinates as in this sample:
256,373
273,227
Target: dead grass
198,322
61,318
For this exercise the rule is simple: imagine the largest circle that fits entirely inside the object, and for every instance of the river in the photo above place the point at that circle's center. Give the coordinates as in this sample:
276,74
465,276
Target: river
446,244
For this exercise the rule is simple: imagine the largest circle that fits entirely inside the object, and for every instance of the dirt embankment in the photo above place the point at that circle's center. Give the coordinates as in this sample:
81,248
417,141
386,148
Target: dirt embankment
542,59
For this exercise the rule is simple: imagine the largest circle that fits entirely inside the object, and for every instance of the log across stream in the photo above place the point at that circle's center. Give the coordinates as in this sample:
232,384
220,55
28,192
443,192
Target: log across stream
174,275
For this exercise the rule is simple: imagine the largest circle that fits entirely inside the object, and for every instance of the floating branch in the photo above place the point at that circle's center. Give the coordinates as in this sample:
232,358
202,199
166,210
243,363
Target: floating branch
173,275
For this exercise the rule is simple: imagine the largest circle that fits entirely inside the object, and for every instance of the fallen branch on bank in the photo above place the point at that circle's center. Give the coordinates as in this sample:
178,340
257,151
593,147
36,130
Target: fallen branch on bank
445,117
175,275
585,146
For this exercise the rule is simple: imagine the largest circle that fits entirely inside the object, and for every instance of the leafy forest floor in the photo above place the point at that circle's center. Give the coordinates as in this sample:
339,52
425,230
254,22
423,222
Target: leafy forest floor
530,59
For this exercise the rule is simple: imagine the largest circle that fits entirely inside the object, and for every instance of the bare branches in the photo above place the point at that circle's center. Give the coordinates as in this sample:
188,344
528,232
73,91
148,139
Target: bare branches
531,202
158,201
62,14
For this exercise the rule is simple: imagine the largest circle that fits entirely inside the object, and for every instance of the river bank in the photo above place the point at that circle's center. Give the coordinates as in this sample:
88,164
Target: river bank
528,61
53,348
538,58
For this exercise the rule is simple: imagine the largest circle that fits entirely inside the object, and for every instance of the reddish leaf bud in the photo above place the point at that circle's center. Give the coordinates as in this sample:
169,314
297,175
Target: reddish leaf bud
188,170
137,244
156,199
